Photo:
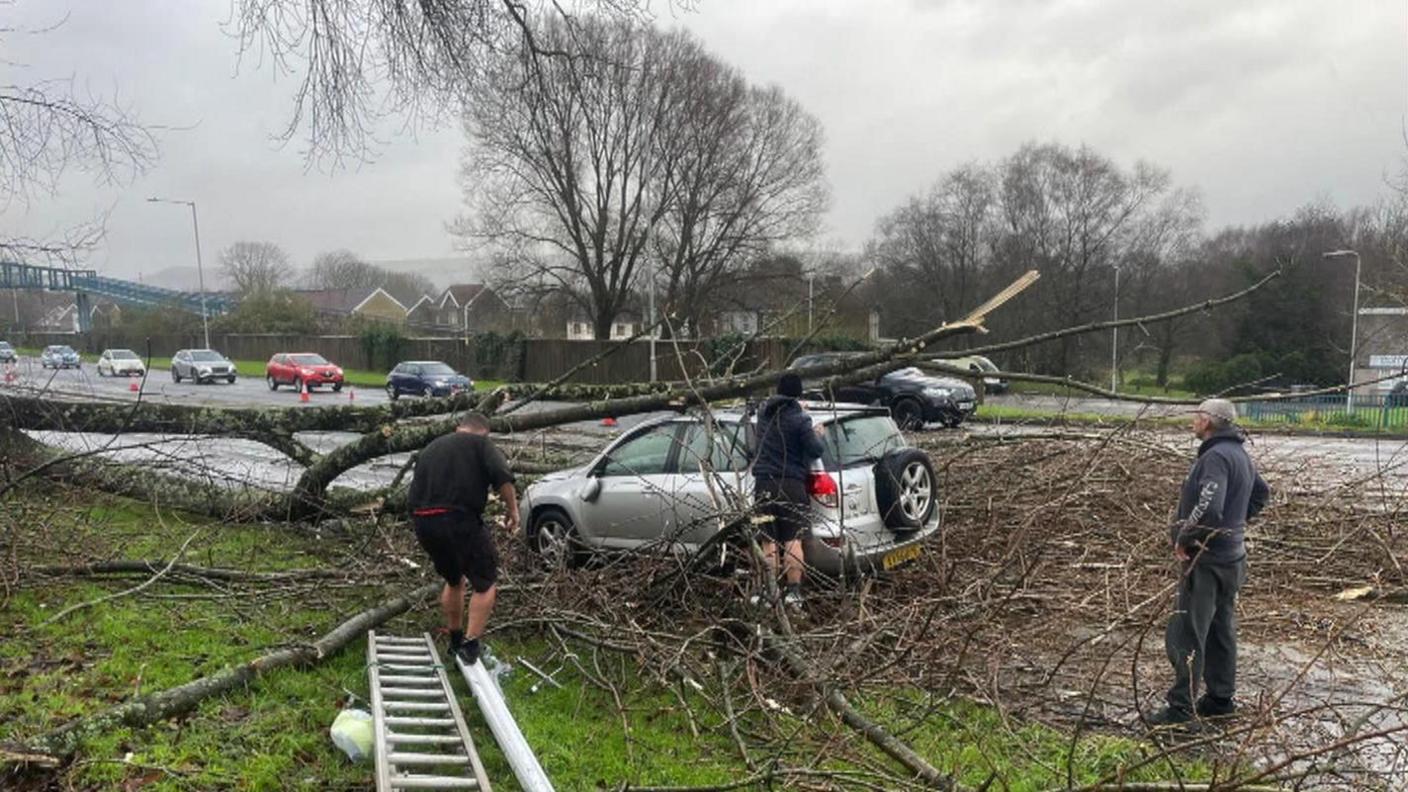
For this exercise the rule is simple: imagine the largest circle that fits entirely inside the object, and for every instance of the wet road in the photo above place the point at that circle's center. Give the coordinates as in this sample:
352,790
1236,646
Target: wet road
244,392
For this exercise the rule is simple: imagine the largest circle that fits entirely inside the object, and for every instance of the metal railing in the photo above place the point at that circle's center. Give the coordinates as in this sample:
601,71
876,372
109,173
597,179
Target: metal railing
1378,411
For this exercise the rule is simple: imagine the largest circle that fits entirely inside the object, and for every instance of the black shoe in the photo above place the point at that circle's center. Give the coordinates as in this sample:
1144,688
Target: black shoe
468,652
1213,707
1170,716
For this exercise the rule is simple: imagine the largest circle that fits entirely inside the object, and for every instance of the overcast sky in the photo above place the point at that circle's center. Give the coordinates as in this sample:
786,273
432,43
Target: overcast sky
1263,106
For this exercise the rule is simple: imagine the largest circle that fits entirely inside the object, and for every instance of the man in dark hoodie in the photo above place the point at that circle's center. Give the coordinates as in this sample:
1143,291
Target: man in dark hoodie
788,443
1222,491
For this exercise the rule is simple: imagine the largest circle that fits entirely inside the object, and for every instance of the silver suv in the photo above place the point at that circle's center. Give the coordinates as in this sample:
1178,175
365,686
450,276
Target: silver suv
874,498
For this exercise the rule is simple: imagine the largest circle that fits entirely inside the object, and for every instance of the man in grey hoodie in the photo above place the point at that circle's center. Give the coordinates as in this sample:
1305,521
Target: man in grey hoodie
788,443
1222,491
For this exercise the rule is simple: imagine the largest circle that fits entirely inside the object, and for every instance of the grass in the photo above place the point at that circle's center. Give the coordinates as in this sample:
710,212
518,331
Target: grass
1133,384
273,735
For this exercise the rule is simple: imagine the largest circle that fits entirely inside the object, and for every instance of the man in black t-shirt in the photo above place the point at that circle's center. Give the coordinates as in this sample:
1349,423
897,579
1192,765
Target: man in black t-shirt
450,487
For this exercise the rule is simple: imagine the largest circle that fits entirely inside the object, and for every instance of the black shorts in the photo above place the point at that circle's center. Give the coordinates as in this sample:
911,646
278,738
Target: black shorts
460,547
786,501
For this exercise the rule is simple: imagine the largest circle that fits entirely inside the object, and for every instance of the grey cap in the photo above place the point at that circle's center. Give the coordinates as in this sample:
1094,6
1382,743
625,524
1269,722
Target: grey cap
1221,409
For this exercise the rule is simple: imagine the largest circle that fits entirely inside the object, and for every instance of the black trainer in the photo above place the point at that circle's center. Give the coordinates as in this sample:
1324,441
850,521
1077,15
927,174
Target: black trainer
468,652
1213,707
1170,716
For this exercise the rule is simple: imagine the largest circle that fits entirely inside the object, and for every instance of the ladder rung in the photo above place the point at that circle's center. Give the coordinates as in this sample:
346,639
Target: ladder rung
423,739
409,758
394,639
402,657
428,679
409,720
416,692
433,782
394,667
417,706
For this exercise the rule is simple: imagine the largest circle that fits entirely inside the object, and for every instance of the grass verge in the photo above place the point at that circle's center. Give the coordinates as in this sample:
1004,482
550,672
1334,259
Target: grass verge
274,734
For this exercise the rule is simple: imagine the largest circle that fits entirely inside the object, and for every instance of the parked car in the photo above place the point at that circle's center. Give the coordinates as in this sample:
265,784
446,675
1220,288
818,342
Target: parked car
874,498
120,362
980,366
59,356
201,365
7,353
296,368
914,397
425,378
1397,395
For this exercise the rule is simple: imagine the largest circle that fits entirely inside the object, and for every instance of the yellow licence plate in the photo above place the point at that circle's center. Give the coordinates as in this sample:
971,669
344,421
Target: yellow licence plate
894,558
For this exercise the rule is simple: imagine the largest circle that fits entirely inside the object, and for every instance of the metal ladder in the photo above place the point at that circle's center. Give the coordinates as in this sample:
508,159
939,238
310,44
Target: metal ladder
415,713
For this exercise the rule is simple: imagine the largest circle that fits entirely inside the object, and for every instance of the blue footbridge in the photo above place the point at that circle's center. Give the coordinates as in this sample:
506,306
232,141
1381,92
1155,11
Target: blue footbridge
87,284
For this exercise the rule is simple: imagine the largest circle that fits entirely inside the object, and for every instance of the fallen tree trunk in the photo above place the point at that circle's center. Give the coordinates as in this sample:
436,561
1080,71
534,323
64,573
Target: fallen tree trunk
53,748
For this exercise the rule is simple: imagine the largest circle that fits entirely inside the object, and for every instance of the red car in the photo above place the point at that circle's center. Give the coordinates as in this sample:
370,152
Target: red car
296,368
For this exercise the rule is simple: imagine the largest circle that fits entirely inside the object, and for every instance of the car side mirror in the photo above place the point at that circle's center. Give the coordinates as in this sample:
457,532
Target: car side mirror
590,489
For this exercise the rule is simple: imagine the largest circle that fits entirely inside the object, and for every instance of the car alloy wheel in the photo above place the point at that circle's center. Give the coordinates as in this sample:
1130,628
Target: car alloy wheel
429,392
916,491
908,414
175,375
273,383
391,392
555,540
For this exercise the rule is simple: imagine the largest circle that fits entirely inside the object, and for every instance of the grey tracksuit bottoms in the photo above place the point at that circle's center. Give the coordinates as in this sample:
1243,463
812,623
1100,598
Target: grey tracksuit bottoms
1201,639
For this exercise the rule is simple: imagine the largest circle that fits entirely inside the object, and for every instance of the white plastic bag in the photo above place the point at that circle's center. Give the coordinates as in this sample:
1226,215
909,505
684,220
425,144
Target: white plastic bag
353,732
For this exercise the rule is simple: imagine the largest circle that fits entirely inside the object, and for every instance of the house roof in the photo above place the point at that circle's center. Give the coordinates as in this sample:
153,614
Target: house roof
462,294
345,300
424,298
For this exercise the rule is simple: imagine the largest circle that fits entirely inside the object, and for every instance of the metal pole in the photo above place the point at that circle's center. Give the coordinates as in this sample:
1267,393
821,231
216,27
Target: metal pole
200,274
654,328
1353,339
1115,338
1353,325
811,299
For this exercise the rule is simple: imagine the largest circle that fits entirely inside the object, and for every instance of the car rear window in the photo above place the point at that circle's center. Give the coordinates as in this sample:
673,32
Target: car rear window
858,440
309,360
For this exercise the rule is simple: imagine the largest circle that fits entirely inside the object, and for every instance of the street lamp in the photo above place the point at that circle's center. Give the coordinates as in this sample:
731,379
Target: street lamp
1353,324
200,268
1115,337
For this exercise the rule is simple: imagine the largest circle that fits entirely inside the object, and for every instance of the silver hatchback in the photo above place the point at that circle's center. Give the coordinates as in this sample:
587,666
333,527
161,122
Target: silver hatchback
671,484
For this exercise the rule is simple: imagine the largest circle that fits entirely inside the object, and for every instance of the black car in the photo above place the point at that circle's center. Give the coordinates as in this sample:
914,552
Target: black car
1398,395
914,398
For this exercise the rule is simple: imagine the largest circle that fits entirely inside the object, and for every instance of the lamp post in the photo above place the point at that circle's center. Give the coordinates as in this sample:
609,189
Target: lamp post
1115,337
200,268
1353,325
654,328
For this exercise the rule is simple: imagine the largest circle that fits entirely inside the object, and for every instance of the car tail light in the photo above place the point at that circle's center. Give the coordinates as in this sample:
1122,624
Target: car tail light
822,487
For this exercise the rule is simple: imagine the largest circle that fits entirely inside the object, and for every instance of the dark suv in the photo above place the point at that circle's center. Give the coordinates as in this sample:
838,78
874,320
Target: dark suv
914,398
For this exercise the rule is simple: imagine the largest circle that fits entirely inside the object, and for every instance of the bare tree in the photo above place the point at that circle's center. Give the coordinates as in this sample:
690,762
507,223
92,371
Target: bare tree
748,176
343,269
941,242
643,147
255,267
48,129
365,60
1072,214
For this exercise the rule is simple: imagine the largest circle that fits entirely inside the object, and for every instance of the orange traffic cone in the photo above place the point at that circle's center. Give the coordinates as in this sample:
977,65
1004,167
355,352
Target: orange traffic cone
608,421
132,386
303,393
